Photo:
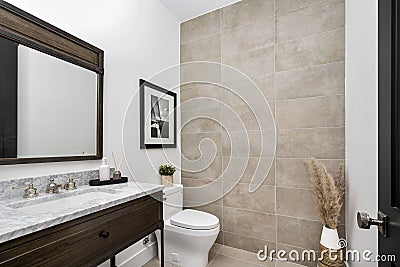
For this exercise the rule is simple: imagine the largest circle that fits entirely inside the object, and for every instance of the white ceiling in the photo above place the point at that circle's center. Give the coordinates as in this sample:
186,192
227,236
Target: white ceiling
184,10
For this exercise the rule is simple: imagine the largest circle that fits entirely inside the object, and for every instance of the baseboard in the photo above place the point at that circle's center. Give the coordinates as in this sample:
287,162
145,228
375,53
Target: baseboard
140,258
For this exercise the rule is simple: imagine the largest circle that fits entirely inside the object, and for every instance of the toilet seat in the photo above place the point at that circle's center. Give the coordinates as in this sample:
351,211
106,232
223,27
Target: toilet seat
168,227
195,220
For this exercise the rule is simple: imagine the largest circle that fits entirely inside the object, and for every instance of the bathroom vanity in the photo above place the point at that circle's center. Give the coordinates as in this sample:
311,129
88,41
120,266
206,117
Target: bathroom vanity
84,227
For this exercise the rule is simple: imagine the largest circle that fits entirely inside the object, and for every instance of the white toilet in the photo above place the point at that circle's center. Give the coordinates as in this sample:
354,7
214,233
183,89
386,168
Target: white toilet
188,234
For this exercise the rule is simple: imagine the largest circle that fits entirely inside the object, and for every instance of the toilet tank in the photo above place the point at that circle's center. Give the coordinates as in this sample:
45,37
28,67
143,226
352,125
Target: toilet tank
173,200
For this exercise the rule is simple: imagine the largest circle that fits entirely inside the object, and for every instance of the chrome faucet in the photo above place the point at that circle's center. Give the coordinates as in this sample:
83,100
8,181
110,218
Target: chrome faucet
71,185
28,192
52,187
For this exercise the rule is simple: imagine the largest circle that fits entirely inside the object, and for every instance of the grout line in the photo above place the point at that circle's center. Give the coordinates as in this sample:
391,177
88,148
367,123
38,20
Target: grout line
280,43
276,131
309,97
220,119
294,158
200,38
241,260
266,45
309,128
247,51
274,214
311,66
311,35
298,8
248,236
222,31
271,130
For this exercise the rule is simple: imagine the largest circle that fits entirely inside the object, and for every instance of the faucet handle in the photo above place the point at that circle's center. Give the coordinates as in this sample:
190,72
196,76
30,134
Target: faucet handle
29,192
71,185
52,187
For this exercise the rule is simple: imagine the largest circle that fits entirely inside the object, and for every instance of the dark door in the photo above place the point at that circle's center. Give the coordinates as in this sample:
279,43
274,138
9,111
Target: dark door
389,129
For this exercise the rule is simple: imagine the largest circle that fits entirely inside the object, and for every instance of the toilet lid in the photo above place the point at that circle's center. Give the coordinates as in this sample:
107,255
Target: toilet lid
194,219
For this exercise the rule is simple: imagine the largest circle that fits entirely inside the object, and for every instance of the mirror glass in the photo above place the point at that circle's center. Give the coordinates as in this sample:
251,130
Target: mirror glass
48,106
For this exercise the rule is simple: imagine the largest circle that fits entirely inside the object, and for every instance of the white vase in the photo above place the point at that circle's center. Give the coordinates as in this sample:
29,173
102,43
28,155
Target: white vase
330,246
330,238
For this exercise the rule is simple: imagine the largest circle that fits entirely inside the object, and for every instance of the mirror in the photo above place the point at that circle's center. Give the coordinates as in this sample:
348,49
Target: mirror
50,93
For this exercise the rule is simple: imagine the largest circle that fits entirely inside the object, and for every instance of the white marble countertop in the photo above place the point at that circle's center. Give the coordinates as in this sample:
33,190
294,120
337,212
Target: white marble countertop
20,216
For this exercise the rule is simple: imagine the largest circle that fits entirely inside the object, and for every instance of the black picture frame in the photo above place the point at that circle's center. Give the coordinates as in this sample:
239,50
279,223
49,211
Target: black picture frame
142,85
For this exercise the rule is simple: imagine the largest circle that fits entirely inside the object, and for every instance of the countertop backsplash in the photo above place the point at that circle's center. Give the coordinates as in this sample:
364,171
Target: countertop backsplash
41,182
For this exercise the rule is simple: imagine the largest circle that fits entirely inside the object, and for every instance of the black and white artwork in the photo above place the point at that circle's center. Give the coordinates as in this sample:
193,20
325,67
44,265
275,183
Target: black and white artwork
157,116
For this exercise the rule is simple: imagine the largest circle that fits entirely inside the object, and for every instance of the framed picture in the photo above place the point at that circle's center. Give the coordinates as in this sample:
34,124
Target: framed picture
157,116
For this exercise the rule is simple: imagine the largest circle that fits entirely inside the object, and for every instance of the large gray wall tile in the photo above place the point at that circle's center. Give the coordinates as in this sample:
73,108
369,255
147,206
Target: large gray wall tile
283,6
246,242
242,222
250,143
208,72
293,173
313,81
253,35
321,17
249,170
201,144
246,11
295,202
256,116
207,168
238,89
201,49
200,97
327,111
324,143
201,26
299,232
202,192
262,200
313,50
252,63
200,121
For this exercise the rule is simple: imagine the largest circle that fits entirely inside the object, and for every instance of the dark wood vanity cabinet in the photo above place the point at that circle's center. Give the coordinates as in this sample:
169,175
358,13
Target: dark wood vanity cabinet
89,240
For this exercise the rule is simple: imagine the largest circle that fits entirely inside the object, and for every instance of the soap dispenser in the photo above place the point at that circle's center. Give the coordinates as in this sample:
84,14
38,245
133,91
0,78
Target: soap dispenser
104,170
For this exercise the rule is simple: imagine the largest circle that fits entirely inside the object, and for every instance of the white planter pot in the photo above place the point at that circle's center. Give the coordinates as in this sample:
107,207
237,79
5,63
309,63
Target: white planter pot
330,238
330,249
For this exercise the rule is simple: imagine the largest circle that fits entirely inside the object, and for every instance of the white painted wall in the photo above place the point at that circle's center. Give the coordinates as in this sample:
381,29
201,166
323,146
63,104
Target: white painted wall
57,107
185,10
140,38
361,121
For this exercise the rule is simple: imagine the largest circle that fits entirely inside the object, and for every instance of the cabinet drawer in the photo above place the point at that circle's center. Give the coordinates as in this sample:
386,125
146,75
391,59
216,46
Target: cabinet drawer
90,242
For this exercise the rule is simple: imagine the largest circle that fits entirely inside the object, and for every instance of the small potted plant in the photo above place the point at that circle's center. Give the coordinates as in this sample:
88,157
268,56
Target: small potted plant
167,172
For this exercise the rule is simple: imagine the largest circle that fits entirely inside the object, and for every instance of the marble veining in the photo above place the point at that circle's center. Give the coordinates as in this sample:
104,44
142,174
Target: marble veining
41,182
16,223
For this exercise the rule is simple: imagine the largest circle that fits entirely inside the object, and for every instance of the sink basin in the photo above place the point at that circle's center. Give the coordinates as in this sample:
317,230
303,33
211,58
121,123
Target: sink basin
62,201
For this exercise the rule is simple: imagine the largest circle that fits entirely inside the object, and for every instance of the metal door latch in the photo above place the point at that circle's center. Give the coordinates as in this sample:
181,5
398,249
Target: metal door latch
365,222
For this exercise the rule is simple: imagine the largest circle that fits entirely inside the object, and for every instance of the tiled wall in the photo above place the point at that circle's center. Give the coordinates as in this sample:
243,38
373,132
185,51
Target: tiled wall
294,51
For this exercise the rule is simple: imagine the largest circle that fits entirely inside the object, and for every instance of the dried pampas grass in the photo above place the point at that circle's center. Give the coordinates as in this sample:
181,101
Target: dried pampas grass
328,192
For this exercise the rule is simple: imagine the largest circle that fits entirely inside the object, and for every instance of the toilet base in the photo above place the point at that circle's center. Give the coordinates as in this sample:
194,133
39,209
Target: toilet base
185,247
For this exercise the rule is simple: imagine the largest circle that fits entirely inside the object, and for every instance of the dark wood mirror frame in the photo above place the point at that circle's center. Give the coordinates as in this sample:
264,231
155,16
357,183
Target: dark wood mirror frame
26,29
